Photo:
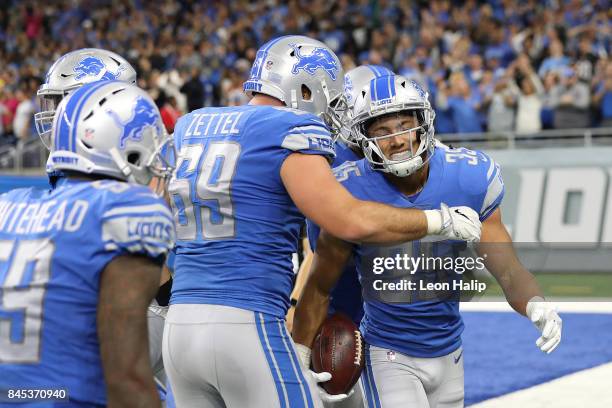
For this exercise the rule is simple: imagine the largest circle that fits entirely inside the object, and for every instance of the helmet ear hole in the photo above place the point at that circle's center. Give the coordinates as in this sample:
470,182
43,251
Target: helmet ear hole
134,158
306,93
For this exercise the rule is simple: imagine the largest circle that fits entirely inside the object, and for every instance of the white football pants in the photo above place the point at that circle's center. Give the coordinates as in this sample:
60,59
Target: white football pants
221,356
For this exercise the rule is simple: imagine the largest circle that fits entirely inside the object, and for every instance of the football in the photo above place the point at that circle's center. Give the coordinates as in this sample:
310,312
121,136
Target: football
338,349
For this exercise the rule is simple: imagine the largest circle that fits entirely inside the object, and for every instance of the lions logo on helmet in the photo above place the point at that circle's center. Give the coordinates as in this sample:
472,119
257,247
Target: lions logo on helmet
93,66
418,88
144,115
348,89
92,128
319,58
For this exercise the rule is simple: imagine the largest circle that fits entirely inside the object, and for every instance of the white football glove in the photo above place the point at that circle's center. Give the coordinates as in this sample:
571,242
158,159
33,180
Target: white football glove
304,354
461,223
544,316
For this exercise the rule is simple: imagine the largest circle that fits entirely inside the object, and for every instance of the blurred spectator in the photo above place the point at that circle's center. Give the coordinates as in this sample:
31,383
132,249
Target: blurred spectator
462,105
427,41
603,96
572,101
10,102
194,90
3,111
24,115
500,117
498,45
169,112
530,98
556,61
550,99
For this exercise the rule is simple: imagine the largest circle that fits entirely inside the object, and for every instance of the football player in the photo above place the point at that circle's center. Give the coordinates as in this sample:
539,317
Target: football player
67,74
80,263
243,175
346,296
414,355
347,149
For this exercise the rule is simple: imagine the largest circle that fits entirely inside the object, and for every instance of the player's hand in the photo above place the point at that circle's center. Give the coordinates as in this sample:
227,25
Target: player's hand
544,316
161,311
461,223
304,355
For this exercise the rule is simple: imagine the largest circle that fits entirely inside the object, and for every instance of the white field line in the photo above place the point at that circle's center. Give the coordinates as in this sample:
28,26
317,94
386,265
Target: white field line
563,307
583,389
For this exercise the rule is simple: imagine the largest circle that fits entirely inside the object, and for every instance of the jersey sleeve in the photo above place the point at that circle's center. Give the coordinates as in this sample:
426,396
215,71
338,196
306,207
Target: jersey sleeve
347,174
138,222
305,133
494,192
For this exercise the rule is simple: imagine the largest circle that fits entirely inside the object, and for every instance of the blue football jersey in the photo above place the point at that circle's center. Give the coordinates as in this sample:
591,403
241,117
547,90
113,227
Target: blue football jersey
346,295
54,245
457,177
237,226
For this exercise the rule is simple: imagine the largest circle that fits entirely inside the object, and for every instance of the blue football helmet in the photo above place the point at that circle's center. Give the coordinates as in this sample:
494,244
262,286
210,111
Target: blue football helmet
110,128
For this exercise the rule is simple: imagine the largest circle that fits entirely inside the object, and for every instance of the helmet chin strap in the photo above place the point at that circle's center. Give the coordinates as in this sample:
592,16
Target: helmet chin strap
124,167
293,99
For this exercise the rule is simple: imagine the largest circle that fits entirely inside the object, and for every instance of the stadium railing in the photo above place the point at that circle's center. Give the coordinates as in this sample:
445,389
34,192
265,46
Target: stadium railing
31,155
25,154
544,139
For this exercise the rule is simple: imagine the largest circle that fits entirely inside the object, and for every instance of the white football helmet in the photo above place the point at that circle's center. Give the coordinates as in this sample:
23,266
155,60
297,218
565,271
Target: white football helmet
388,95
110,128
71,71
289,67
354,81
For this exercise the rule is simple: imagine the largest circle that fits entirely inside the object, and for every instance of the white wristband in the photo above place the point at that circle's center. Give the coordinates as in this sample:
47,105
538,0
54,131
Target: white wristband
531,304
434,221
304,353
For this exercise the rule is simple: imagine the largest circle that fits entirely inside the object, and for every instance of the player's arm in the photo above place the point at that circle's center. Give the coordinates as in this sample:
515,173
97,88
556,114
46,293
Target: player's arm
519,285
328,264
321,198
127,286
300,281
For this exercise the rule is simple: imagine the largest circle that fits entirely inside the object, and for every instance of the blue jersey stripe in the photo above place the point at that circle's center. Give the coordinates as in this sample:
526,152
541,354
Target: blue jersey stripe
140,241
295,363
283,356
265,344
367,389
370,373
139,215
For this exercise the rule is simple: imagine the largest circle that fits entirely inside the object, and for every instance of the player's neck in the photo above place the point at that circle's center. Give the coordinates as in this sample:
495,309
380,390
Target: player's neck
261,99
412,184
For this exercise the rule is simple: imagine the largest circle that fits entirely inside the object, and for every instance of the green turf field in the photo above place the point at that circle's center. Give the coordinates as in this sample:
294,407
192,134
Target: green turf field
570,285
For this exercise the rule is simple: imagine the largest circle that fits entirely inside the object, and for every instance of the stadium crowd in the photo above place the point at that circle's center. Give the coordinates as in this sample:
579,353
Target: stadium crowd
499,65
